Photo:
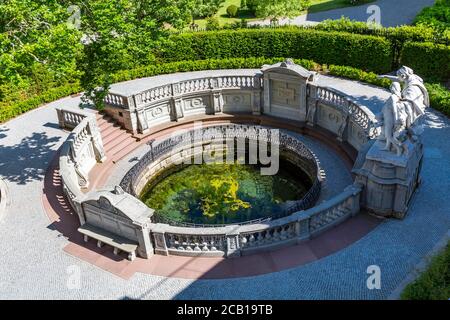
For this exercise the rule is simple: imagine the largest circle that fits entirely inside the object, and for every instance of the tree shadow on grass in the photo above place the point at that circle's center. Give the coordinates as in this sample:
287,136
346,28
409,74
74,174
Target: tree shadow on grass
27,161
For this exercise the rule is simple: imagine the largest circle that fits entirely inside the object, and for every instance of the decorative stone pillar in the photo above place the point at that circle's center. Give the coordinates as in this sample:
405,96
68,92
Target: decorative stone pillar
389,180
233,249
145,248
96,139
343,128
160,242
176,103
60,115
141,121
266,92
302,230
256,94
311,105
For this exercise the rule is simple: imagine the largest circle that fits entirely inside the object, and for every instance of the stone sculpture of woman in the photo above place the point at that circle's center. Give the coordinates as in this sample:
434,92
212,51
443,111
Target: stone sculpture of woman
403,108
392,119
414,91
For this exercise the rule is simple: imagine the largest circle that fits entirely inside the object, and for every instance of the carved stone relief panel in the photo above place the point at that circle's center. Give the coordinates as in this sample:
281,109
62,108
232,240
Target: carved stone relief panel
329,118
285,93
237,102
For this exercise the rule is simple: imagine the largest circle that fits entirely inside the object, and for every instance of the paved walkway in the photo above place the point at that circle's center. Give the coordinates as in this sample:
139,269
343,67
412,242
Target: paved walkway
33,264
392,13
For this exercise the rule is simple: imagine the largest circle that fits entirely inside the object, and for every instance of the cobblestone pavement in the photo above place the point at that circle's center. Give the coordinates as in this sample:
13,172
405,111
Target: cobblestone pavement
392,13
33,264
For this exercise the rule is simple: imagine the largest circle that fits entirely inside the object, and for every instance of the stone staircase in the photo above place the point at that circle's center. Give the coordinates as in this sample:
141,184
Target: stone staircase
116,141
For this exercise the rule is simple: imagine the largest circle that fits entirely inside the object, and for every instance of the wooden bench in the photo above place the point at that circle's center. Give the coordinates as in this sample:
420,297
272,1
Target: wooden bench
103,236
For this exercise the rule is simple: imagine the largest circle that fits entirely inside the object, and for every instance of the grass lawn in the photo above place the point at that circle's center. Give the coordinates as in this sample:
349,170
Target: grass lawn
433,283
325,5
316,6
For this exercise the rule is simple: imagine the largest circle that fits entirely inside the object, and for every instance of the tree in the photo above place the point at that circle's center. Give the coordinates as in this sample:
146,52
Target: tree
205,8
275,9
123,34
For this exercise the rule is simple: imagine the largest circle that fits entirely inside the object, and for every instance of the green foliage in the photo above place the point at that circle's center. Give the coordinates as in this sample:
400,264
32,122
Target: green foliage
365,52
212,24
279,8
433,283
232,11
358,74
437,16
439,97
206,8
430,61
8,112
210,64
398,34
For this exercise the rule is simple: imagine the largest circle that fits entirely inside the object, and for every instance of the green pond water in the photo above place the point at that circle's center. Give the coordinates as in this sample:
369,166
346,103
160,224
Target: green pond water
224,193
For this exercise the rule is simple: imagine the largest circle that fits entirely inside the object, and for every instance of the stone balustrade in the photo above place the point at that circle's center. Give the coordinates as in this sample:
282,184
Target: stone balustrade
236,240
281,90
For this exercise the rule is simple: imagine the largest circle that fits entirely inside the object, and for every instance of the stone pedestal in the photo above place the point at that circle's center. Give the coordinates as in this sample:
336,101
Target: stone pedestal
388,180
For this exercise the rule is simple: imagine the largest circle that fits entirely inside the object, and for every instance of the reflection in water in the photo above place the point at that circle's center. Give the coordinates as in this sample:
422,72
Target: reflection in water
224,193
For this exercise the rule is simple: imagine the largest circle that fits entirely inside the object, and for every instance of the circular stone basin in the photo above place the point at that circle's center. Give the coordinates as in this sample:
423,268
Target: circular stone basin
224,193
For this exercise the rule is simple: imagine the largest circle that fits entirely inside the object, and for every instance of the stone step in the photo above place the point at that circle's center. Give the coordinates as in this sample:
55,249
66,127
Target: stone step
122,153
117,147
117,140
112,136
110,130
104,123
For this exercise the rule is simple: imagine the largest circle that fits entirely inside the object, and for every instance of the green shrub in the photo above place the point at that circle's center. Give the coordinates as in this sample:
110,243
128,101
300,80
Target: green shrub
8,112
365,52
232,11
359,75
430,61
439,97
433,283
437,16
212,24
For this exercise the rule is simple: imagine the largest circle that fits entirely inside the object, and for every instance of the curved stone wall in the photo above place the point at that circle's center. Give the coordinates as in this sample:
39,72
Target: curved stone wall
284,90
167,153
318,107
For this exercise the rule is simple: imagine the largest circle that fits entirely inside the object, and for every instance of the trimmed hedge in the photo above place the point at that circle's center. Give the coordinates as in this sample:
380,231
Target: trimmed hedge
10,111
365,52
439,96
431,61
210,64
358,75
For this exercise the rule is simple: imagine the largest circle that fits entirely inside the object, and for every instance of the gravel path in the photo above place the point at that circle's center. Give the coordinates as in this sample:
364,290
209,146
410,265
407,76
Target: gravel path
33,264
392,13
